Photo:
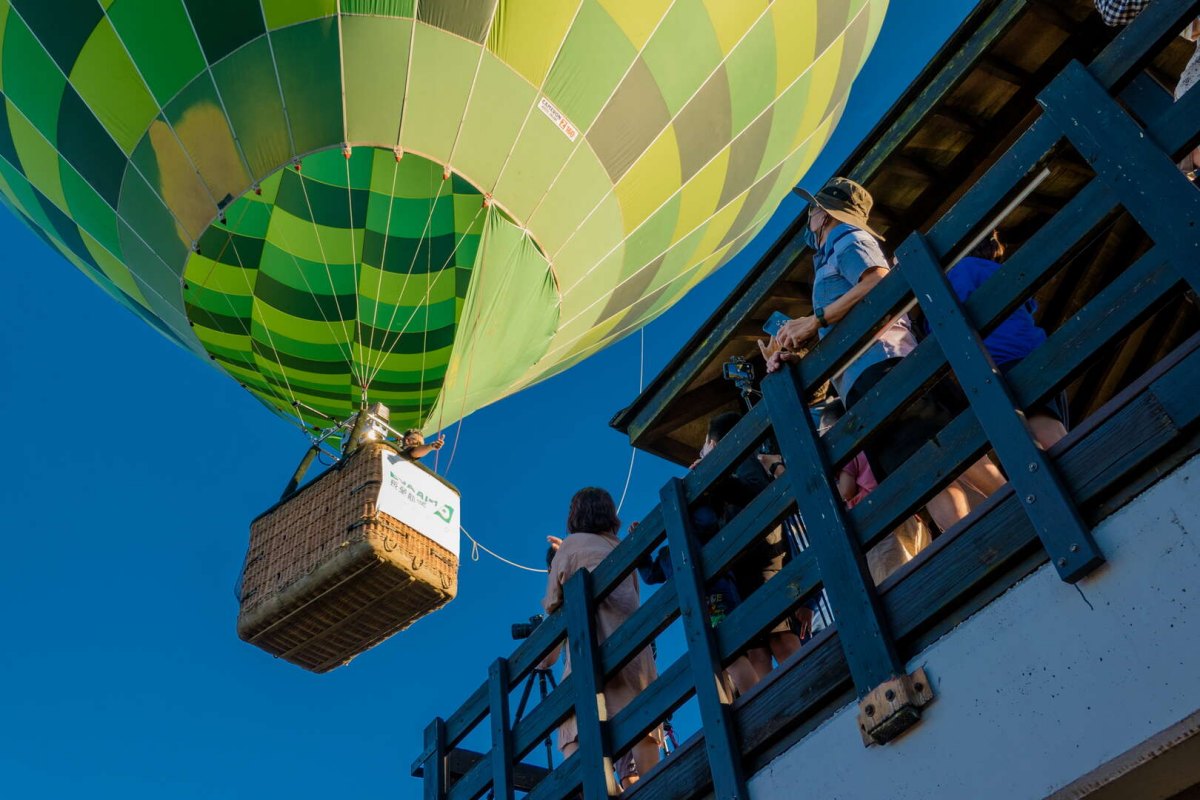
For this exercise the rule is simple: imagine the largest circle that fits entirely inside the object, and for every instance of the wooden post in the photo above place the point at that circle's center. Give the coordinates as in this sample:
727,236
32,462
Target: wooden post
720,739
502,752
595,764
1143,176
435,761
1067,539
869,648
862,629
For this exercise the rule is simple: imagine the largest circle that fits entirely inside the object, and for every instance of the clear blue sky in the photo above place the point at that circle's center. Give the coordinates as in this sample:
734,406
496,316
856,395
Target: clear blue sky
132,472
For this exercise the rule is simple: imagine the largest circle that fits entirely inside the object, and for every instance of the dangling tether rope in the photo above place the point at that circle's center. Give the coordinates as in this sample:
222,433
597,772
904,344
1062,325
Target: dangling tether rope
476,547
633,450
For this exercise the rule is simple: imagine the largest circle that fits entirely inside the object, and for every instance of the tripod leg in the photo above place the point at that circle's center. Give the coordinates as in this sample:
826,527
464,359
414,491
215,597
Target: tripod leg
543,675
524,699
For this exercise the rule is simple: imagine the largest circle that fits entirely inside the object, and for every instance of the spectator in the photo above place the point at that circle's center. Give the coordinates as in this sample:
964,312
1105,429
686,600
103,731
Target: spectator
593,524
847,264
763,559
1014,338
855,482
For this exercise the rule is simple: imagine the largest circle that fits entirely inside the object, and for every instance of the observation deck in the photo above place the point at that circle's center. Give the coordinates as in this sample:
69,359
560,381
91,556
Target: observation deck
1044,646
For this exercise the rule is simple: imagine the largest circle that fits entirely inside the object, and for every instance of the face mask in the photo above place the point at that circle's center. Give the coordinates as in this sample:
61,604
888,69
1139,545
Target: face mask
810,237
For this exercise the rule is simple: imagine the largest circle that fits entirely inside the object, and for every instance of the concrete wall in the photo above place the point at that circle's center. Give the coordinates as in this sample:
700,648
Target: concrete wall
1045,684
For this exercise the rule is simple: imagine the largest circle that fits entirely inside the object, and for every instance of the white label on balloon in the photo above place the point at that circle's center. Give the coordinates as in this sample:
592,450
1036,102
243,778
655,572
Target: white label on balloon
419,500
558,119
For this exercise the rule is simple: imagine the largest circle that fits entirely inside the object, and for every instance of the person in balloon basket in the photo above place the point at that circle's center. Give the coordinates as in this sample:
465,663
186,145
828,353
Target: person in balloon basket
414,446
847,263
592,525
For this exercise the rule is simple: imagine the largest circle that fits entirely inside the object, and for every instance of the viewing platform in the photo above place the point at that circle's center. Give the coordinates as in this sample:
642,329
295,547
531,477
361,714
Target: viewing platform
1044,646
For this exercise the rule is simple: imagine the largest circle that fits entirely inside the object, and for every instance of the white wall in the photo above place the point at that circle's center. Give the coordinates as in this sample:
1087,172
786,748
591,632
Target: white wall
1039,687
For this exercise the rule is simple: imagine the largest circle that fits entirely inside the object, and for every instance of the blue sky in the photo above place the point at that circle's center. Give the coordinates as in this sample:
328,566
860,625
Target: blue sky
131,474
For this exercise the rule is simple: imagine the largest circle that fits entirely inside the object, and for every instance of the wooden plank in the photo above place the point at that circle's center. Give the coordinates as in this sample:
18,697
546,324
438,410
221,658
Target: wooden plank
631,550
1175,130
869,647
537,724
502,750
1146,98
1142,175
720,738
668,692
596,770
562,783
1139,41
733,448
762,514
1066,538
460,761
798,579
434,769
636,633
990,190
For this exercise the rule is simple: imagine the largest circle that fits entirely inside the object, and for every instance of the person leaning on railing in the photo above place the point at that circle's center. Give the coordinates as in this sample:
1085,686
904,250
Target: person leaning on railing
592,524
847,263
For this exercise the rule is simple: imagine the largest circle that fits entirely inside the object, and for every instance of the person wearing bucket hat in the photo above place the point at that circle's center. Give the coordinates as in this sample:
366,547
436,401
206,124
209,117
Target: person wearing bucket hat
847,263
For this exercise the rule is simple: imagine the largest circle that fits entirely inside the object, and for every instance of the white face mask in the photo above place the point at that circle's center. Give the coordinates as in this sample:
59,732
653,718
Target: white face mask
709,444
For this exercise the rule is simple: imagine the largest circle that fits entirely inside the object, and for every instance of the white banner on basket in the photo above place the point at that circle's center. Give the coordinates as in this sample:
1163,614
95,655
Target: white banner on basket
419,500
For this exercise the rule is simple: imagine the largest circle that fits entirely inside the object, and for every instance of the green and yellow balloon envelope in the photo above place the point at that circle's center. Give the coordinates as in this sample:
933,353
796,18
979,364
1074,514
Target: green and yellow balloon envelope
427,203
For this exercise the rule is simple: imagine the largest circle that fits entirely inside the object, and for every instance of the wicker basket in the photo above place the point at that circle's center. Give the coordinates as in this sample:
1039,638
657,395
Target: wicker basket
327,576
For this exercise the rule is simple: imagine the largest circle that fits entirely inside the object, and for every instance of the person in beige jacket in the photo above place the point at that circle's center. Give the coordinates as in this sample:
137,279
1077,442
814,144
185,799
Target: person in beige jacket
593,525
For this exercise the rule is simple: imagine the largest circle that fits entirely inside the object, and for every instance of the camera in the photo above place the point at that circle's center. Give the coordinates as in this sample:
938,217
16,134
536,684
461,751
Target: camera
523,630
737,369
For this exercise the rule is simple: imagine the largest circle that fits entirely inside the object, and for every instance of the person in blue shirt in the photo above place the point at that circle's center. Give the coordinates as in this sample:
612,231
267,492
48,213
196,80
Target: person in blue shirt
1014,338
847,263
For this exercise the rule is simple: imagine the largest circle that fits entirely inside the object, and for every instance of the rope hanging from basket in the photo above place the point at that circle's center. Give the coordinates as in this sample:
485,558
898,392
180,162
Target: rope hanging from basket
476,547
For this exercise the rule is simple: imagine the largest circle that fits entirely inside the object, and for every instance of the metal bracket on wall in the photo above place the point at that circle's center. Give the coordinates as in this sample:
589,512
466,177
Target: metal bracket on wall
893,707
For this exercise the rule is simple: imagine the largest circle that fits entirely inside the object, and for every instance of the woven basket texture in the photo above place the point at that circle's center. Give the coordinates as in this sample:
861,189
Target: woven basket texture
327,576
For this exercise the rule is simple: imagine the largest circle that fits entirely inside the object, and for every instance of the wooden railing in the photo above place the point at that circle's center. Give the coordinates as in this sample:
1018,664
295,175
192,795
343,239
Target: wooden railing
1046,512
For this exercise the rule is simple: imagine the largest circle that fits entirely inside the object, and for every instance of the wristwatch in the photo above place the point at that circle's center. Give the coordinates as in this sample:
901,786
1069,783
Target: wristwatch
819,313
775,468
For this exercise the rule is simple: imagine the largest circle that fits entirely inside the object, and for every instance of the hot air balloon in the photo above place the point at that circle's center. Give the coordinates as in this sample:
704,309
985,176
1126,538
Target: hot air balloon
419,206
429,204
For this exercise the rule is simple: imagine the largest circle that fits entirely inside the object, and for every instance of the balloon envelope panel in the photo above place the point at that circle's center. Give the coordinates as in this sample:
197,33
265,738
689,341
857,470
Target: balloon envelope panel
426,203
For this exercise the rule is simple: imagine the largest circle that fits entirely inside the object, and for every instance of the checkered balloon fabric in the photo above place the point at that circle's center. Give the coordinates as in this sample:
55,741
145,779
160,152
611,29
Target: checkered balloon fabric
426,203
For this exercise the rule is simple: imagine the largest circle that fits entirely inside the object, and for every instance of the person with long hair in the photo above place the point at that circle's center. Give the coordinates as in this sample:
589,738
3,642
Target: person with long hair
592,526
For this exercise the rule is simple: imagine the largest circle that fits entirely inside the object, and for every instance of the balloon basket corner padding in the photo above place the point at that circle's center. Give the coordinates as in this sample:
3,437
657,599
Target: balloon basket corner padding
328,575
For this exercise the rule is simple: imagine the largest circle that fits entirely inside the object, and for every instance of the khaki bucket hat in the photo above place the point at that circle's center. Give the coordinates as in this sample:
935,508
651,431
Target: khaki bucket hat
845,201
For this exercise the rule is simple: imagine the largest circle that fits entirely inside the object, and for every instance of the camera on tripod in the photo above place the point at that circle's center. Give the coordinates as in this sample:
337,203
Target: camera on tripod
523,630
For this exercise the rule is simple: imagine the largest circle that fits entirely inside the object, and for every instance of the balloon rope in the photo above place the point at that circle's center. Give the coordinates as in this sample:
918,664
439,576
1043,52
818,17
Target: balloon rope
633,450
476,547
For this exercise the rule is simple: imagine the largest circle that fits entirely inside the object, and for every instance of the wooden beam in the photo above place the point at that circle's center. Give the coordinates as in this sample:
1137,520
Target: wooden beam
997,67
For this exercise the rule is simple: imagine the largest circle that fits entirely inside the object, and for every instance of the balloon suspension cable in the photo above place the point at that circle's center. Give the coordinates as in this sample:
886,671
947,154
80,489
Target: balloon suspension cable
633,450
476,547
